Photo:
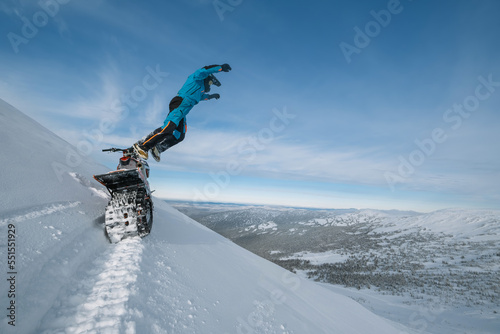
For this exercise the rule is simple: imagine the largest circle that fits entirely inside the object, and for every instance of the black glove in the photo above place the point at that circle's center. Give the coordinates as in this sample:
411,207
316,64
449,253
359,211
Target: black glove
214,96
226,68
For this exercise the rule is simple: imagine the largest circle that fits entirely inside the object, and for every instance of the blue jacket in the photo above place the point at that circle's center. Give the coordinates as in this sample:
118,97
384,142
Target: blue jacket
192,92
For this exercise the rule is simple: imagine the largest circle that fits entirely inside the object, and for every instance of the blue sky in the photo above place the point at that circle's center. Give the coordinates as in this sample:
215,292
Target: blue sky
338,104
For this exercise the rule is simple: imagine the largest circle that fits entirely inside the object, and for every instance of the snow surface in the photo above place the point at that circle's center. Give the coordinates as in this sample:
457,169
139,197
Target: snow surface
318,258
267,226
183,278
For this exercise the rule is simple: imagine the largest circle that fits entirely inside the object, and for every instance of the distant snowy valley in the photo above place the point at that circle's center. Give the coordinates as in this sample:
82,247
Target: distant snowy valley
441,269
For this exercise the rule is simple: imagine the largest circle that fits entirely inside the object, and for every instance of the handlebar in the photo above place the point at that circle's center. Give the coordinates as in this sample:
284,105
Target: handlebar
115,149
129,152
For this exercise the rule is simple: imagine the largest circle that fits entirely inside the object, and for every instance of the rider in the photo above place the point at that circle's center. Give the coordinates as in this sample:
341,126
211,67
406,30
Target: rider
174,128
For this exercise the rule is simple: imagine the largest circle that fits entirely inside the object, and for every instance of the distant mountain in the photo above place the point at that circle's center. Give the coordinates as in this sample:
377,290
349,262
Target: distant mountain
448,258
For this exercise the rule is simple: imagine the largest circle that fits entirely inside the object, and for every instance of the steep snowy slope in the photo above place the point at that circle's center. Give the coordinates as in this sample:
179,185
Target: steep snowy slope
36,163
183,278
56,218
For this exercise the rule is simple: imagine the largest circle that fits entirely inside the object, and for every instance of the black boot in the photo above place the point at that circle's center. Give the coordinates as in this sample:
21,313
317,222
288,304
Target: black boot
140,151
155,153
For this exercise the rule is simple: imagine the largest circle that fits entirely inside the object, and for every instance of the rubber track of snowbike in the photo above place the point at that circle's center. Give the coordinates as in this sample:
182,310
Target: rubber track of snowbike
128,214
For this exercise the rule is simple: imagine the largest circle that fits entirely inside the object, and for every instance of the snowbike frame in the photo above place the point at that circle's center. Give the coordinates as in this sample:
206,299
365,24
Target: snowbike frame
130,172
130,209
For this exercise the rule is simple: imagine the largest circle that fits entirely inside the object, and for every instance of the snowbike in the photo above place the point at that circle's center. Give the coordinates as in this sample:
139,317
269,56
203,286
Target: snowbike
130,209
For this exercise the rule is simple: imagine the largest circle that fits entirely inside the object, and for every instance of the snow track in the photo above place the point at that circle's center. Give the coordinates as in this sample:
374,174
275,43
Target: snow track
97,303
34,213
